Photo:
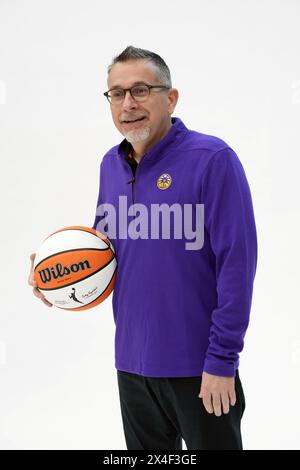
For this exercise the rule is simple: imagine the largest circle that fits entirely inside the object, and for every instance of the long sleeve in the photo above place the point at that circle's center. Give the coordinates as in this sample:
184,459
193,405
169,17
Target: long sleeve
230,223
100,198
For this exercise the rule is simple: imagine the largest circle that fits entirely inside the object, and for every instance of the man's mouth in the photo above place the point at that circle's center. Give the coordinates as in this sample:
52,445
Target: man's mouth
134,120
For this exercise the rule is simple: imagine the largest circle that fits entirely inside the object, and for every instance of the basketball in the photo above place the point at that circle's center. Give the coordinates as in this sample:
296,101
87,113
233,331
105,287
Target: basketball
75,268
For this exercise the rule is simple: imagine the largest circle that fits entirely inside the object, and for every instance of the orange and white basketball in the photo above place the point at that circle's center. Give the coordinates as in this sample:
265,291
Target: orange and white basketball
75,268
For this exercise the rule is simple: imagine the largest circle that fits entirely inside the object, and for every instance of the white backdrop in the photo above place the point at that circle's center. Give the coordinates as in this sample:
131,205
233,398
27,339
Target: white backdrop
236,65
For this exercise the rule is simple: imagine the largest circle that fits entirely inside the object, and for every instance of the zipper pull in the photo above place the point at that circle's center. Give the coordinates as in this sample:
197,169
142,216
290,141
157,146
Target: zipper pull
131,181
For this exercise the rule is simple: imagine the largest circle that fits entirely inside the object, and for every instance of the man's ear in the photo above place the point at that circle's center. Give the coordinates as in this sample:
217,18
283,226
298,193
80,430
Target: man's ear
173,96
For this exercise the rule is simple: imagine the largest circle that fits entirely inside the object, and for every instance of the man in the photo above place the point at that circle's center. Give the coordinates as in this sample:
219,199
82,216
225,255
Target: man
181,311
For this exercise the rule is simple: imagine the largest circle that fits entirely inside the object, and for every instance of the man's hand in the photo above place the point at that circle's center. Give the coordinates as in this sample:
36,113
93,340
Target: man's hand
33,284
217,393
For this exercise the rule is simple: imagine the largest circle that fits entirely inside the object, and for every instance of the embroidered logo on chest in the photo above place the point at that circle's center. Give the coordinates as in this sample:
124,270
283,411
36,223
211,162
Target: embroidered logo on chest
164,181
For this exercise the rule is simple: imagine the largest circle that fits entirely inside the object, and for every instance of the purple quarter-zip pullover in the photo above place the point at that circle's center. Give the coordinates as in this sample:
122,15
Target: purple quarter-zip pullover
180,312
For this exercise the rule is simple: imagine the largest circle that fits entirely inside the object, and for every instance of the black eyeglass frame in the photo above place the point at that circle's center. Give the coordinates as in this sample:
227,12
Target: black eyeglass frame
135,86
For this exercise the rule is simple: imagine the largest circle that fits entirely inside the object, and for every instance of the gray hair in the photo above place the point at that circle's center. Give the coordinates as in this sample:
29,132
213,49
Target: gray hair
163,74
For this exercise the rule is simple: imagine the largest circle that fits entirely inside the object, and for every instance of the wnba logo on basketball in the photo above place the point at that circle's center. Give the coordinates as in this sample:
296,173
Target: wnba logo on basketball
47,274
164,181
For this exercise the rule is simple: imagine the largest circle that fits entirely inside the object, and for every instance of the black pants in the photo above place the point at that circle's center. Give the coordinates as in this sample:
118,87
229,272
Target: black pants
158,412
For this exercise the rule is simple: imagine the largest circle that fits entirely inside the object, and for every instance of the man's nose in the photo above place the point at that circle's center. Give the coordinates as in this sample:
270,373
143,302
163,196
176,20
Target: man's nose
128,101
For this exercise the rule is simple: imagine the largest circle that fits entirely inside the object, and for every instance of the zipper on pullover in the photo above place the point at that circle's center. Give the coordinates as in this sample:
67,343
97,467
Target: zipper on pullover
133,181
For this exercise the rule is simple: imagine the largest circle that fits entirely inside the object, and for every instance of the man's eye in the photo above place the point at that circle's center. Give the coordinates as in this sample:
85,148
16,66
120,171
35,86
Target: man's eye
140,90
117,93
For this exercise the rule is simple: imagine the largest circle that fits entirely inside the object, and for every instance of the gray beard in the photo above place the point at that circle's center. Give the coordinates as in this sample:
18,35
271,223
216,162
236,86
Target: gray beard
136,136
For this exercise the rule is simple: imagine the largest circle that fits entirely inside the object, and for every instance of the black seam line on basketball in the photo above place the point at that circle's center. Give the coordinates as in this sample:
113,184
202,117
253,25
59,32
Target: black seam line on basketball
69,251
79,280
77,230
78,308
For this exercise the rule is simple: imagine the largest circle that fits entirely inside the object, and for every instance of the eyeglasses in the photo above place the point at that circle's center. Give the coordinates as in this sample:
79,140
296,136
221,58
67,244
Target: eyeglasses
138,92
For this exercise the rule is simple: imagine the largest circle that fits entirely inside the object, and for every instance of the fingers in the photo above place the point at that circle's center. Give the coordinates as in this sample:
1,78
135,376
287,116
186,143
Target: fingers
46,302
40,296
217,403
207,400
216,399
232,397
225,402
212,403
31,282
37,293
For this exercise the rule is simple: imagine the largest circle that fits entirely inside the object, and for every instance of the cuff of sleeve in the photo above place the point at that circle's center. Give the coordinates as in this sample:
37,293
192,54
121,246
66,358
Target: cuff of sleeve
220,368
